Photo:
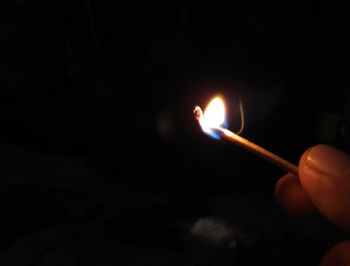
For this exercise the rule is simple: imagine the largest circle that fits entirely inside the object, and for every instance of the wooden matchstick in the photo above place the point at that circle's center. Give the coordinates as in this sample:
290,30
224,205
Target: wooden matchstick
261,152
250,146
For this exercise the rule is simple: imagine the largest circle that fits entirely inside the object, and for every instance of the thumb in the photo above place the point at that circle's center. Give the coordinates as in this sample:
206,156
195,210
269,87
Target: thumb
324,173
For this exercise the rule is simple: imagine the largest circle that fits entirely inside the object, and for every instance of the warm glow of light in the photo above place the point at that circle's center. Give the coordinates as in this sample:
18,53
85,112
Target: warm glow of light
213,116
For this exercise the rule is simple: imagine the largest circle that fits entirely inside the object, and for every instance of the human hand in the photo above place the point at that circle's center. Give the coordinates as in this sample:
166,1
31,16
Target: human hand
324,185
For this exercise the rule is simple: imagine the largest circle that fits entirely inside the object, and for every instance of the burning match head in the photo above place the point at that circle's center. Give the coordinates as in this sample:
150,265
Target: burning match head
198,113
212,118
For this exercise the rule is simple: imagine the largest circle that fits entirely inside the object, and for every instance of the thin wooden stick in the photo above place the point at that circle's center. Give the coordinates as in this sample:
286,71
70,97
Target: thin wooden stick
250,146
261,152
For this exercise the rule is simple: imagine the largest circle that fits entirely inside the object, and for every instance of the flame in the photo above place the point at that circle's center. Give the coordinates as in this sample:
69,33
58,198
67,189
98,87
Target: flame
214,114
213,117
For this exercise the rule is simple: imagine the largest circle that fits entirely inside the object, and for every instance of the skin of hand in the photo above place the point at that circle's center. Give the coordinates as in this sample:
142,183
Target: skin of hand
323,185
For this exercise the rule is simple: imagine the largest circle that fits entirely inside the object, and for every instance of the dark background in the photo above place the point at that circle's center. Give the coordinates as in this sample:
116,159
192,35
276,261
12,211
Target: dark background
97,98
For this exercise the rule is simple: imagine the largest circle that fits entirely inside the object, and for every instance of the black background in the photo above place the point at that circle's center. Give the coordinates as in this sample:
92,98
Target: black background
115,83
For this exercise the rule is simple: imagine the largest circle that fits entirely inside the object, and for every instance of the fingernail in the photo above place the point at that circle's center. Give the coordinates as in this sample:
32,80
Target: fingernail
328,160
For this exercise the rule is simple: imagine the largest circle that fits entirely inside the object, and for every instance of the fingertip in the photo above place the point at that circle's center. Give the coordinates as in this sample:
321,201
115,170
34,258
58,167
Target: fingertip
338,255
292,197
324,173
326,160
